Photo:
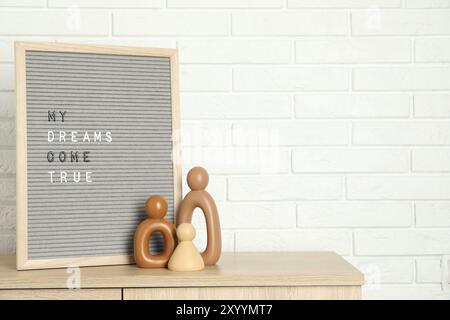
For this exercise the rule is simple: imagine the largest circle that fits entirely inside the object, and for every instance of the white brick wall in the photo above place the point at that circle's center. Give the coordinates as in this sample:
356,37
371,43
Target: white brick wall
400,22
353,215
432,214
293,240
235,51
429,270
23,3
344,105
396,78
348,160
432,105
428,4
149,23
344,3
385,270
352,50
402,242
291,78
325,124
299,23
106,4
54,22
410,132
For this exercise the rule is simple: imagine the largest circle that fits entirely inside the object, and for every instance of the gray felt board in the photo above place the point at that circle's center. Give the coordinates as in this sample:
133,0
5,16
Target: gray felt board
127,96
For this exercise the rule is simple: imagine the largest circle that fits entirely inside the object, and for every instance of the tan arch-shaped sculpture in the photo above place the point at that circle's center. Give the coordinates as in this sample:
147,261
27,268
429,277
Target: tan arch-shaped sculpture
198,197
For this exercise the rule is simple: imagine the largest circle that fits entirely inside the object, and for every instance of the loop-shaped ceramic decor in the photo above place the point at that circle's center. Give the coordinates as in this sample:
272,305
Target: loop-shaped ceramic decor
143,257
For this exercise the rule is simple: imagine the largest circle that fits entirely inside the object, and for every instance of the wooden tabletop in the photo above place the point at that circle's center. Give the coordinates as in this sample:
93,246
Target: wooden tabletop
233,269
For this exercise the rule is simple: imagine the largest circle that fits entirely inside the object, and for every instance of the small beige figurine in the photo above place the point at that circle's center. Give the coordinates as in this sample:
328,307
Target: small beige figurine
186,256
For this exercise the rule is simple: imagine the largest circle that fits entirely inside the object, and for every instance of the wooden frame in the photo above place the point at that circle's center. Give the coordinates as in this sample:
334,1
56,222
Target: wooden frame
22,260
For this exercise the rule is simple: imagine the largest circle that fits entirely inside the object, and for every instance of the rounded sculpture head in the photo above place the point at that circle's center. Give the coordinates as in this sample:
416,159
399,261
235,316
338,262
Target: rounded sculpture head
197,179
186,232
156,207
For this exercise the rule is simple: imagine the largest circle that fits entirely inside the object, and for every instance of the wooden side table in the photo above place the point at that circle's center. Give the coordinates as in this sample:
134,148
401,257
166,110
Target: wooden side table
290,275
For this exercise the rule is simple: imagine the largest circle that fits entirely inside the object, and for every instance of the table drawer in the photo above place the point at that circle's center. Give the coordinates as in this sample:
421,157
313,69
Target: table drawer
247,293
61,294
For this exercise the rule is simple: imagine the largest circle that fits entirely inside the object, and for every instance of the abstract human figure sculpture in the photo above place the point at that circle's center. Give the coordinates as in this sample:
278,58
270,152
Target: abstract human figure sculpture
186,256
197,180
156,208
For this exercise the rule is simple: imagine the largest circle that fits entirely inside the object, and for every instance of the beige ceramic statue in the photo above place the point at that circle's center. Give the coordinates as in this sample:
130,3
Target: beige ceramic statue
186,256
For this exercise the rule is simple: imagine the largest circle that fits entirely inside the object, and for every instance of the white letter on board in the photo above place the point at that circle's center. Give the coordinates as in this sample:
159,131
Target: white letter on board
51,176
97,136
62,136
108,136
63,176
73,136
50,136
86,137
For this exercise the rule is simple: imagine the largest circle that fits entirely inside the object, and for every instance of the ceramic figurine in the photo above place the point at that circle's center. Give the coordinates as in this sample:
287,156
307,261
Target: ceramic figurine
197,180
186,256
156,208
